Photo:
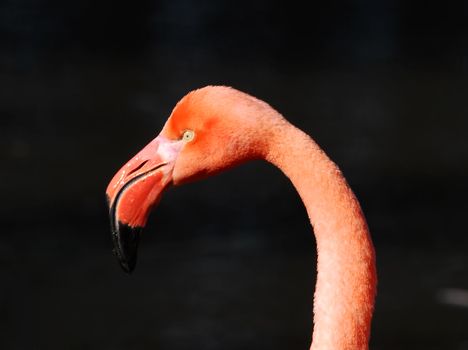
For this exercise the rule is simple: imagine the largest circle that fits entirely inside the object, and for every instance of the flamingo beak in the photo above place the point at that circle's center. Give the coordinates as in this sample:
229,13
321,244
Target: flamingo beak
134,190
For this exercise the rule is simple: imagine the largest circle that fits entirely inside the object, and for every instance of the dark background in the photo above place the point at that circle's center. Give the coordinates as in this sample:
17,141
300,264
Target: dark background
228,263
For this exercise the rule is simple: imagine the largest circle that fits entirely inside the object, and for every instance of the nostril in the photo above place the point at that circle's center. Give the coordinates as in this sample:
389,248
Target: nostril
137,168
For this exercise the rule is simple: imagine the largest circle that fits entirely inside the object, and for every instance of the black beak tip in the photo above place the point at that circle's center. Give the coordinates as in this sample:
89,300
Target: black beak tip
127,265
126,239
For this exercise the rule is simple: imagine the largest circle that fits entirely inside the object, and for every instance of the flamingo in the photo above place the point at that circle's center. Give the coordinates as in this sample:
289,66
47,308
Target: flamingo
216,128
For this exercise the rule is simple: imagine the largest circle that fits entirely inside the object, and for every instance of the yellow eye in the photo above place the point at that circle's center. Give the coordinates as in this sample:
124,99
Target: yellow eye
188,135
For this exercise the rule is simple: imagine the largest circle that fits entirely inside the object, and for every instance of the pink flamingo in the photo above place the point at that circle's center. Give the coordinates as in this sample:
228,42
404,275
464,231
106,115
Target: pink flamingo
216,128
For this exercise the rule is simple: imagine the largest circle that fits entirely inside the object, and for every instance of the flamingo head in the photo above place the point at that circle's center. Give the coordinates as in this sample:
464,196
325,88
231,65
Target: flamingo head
209,130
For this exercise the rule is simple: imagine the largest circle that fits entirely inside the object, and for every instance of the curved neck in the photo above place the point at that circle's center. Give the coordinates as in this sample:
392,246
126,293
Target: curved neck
346,273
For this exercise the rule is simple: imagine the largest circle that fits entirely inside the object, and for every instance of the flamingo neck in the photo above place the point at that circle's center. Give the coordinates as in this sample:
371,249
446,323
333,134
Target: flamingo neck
346,273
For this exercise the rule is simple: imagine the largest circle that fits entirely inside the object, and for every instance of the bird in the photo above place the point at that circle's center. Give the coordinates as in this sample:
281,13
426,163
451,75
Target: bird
215,128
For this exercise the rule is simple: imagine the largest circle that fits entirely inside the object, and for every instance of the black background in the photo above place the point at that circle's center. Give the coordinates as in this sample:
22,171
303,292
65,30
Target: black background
228,263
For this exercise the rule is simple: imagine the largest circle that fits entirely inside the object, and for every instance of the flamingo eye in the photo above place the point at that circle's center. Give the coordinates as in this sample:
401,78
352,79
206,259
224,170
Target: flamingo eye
188,135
